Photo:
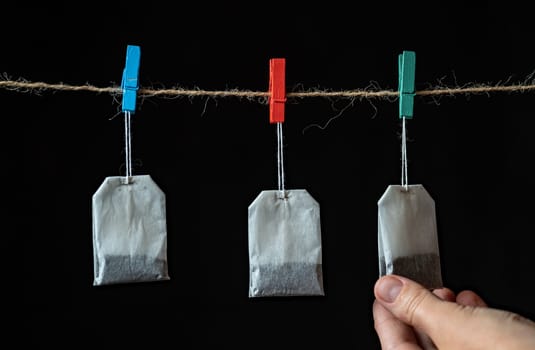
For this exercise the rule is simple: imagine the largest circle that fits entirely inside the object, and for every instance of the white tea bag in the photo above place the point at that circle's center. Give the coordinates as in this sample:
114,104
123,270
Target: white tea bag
408,242
285,245
129,231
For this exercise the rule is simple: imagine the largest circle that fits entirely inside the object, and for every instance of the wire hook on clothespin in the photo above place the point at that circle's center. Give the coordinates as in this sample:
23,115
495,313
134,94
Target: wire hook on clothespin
130,85
406,69
277,100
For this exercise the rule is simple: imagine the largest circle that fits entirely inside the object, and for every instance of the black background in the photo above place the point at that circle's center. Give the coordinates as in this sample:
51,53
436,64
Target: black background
473,154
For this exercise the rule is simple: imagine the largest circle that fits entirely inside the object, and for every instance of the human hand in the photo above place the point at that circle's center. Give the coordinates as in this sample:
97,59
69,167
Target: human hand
408,317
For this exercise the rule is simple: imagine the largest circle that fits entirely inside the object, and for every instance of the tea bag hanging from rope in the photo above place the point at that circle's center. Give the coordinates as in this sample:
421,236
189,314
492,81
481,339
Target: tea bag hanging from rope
284,225
407,230
129,219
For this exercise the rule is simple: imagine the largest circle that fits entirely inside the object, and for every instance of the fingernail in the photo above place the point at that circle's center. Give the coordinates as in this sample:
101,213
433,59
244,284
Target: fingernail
388,288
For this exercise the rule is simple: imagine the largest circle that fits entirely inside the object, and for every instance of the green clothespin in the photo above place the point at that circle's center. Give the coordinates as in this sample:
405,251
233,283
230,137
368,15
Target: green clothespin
407,68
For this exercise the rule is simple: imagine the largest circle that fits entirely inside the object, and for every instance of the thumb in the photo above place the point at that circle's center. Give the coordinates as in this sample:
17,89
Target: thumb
451,325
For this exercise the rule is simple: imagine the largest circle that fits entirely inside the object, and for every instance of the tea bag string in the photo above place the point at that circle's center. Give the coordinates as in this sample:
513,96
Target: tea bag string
127,147
404,173
280,159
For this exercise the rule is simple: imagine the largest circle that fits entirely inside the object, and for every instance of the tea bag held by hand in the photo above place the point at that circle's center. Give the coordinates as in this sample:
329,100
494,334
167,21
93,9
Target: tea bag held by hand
285,245
129,231
407,235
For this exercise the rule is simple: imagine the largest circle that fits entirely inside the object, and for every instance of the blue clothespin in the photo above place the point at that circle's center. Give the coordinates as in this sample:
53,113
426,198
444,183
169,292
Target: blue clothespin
406,68
129,83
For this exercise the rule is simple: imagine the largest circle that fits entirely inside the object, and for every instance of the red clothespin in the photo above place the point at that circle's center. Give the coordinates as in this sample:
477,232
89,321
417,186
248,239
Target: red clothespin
277,89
